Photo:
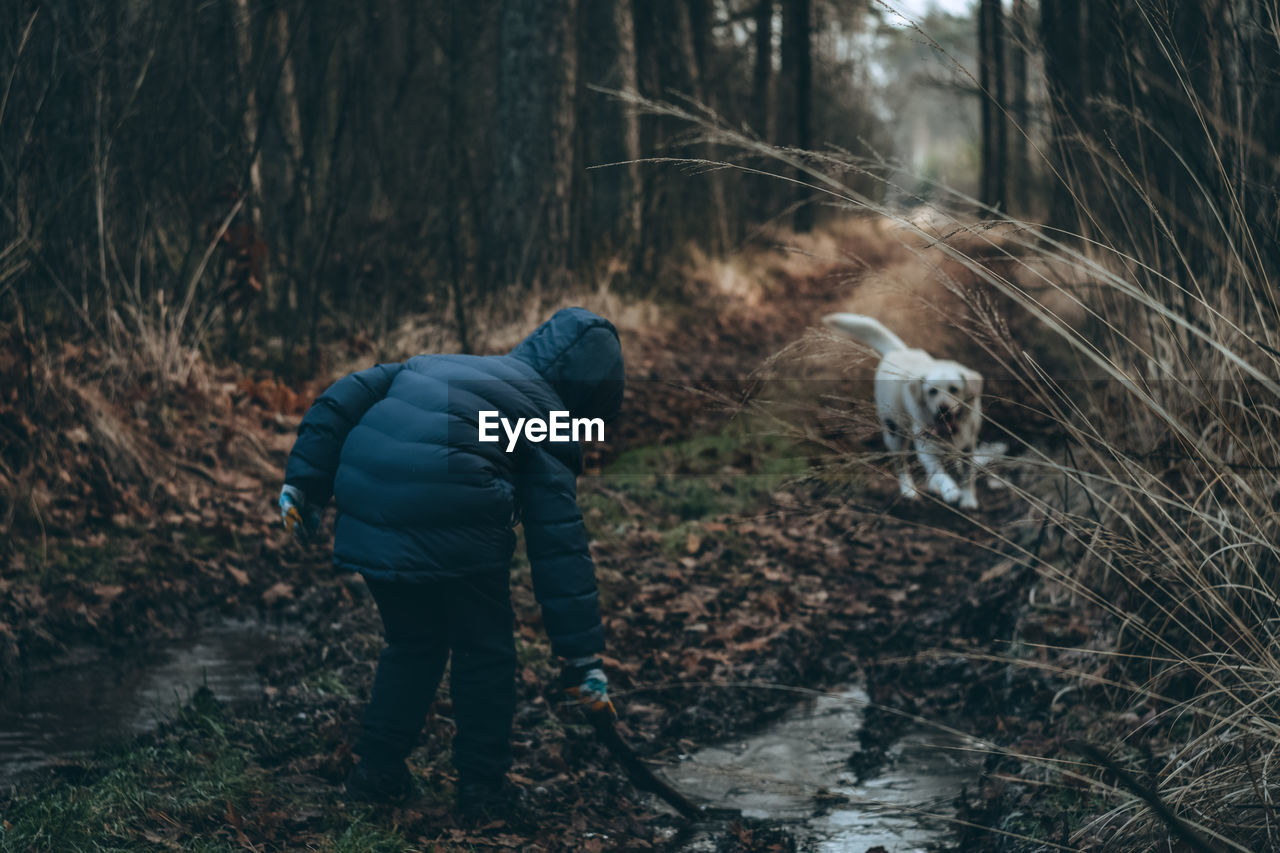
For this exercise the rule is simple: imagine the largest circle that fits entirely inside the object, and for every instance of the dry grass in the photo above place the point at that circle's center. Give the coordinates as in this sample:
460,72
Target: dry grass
1161,489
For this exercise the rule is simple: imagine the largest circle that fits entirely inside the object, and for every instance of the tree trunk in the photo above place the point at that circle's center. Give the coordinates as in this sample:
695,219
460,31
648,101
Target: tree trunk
532,228
242,24
1019,159
762,83
611,128
632,200
677,207
762,191
797,69
456,58
1061,36
290,112
299,204
650,44
995,148
694,20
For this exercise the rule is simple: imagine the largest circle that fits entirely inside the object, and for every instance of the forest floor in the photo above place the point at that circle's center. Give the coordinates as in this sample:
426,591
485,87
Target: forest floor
729,552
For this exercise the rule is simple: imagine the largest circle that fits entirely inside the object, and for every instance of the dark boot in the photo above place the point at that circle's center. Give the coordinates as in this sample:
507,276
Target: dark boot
489,799
371,782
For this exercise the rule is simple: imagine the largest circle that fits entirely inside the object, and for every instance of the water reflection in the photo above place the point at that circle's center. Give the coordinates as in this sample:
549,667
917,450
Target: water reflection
50,716
796,770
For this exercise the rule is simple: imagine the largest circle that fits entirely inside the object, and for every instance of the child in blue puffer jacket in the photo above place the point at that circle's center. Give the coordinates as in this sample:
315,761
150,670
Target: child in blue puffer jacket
426,512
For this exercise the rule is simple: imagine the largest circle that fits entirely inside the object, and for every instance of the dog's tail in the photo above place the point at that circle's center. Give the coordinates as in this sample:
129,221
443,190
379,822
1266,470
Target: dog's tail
866,329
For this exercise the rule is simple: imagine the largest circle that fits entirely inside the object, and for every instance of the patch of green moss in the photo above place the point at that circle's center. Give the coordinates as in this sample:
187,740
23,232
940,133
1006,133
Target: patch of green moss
186,787
190,778
723,473
327,682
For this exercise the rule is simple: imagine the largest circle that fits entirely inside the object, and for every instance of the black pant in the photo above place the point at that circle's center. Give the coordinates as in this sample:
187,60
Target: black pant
422,623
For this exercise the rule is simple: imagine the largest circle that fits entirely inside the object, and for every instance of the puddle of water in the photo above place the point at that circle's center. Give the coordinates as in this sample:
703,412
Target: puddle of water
776,774
905,808
51,716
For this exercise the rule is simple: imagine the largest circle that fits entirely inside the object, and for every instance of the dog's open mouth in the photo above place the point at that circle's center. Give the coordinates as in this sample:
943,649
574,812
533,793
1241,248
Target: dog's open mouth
945,424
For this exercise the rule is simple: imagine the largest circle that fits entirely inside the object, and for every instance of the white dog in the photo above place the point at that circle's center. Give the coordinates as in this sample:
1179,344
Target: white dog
934,404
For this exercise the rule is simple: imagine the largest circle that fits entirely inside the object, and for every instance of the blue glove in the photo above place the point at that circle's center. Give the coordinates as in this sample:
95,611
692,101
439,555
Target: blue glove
584,680
300,518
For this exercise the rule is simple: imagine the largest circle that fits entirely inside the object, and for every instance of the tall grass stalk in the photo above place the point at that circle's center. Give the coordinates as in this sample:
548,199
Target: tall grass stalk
1164,497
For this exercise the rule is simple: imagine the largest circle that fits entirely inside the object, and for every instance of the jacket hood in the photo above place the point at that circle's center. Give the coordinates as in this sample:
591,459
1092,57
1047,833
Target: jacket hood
579,355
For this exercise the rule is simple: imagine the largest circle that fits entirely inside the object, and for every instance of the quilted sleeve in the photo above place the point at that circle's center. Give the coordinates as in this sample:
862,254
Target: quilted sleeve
564,576
314,459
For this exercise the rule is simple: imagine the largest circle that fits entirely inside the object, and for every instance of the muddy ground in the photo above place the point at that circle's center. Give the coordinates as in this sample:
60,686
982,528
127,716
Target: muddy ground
729,553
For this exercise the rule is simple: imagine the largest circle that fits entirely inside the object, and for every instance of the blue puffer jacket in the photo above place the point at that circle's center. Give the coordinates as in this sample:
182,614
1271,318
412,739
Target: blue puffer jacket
420,498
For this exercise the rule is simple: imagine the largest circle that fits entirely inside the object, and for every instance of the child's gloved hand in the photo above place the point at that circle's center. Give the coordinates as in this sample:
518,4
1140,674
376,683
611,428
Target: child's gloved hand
585,682
300,518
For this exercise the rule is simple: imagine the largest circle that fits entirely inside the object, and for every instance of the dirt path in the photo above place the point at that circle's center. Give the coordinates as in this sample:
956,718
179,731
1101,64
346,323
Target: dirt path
724,556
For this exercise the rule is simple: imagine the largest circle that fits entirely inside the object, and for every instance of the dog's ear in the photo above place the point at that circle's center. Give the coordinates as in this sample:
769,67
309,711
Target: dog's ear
915,390
973,383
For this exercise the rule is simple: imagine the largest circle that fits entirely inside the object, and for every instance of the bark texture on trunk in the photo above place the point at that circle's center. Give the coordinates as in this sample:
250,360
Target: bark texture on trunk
532,227
613,211
1061,36
1019,106
762,79
797,70
242,24
995,144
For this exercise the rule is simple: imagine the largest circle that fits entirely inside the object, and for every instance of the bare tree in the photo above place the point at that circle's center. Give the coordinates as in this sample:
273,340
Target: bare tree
797,71
693,23
1061,37
991,73
762,79
762,100
243,26
293,172
631,201
532,226
455,46
1019,107
612,211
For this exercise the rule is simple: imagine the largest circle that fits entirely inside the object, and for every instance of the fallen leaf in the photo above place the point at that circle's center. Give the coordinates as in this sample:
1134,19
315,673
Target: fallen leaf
277,592
108,592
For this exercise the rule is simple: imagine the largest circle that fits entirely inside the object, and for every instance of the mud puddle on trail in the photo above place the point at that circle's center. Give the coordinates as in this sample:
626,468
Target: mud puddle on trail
50,716
796,773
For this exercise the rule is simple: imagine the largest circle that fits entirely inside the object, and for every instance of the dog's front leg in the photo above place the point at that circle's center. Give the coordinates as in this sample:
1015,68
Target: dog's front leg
969,494
940,482
968,446
897,444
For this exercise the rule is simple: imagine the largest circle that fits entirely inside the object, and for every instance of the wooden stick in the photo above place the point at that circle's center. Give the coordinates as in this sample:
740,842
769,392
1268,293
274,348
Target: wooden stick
641,776
1128,780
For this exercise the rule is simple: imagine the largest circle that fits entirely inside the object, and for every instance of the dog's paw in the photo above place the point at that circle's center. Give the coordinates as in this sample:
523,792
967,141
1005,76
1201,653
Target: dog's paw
968,500
945,488
907,488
